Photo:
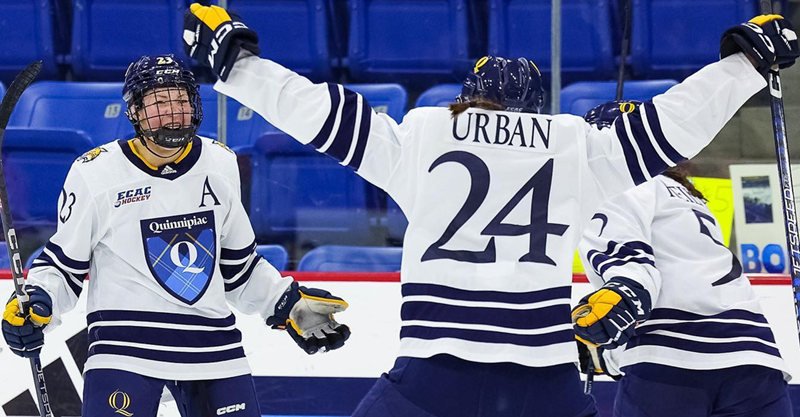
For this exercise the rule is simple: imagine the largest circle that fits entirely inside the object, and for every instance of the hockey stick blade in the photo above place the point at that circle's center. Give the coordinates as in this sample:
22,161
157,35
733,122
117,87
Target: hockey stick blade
20,83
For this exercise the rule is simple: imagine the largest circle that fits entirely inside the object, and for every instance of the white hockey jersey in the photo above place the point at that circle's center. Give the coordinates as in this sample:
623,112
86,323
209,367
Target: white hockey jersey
166,250
705,314
496,201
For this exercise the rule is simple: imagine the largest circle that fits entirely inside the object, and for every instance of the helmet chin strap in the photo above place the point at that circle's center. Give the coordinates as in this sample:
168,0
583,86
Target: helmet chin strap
144,143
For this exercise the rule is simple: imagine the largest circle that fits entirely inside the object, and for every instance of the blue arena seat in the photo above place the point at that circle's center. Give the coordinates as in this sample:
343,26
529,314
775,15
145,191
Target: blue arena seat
36,162
693,29
384,98
5,262
413,40
439,96
27,28
2,90
108,35
578,98
522,28
95,108
276,255
299,195
351,259
293,33
32,257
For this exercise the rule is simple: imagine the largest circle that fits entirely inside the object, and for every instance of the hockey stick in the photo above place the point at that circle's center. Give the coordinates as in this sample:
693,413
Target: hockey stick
785,174
20,83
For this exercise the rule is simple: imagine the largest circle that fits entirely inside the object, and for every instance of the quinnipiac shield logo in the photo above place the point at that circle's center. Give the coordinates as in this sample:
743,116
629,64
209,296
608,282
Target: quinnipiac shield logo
181,253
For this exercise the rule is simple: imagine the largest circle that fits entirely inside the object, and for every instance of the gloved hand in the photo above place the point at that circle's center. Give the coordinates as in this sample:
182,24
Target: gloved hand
608,316
214,38
24,334
767,39
594,354
307,314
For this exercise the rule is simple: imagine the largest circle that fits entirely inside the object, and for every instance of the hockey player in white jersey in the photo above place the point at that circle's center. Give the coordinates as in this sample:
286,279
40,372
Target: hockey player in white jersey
702,346
158,224
496,196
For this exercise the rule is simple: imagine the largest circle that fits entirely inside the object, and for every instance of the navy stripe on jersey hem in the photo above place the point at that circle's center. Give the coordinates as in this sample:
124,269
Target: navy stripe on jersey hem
502,317
245,277
674,314
327,127
156,317
658,134
165,356
66,260
237,254
714,330
363,134
700,347
410,289
431,333
630,154
164,337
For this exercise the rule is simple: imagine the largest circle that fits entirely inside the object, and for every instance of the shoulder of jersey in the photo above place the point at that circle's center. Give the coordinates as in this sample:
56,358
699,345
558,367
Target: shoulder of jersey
95,154
215,145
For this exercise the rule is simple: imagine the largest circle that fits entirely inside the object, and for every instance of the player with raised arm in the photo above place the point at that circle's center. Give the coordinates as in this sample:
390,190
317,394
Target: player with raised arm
496,195
158,224
672,310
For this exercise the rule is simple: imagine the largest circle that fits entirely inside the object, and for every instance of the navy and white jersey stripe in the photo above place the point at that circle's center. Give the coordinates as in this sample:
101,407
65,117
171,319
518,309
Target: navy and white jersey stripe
536,318
237,265
166,337
346,129
646,149
73,271
619,254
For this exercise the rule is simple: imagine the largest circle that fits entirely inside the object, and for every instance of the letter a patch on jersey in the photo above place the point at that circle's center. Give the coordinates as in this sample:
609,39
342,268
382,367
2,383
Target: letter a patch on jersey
181,253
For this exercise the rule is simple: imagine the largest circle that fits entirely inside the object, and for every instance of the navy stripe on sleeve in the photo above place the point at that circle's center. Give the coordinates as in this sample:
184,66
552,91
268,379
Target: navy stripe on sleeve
327,127
430,333
363,134
347,124
44,260
658,134
633,251
237,254
244,277
631,160
81,266
652,160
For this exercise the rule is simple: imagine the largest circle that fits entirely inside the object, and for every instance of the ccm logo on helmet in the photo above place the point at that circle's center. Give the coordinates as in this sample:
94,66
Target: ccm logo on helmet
230,409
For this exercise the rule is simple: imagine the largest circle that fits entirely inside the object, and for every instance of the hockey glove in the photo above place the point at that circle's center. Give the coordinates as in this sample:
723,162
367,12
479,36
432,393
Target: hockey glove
214,38
608,316
591,355
24,334
767,39
307,314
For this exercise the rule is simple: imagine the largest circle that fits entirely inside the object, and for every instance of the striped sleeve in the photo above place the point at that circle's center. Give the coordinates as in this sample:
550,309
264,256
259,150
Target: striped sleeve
66,258
672,126
618,243
334,120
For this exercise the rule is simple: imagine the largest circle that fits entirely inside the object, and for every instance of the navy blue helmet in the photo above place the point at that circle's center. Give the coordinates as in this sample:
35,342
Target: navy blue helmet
163,72
514,84
605,114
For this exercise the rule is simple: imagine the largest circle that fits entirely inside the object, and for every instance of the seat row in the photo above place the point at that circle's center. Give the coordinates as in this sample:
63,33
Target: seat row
323,258
294,195
375,40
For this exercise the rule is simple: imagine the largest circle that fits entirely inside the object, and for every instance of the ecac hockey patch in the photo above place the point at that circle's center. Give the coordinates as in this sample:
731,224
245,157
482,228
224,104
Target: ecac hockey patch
134,195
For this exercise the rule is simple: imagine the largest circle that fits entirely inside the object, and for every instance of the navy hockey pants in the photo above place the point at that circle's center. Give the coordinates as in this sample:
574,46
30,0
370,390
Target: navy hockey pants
110,392
445,386
650,390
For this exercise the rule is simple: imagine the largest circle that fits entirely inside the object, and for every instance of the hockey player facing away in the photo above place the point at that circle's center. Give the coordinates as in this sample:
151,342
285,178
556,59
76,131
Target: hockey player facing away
157,223
672,310
702,345
496,197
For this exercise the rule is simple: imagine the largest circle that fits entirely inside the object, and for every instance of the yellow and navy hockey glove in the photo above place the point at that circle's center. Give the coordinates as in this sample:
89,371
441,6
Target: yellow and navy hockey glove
24,332
215,37
767,39
608,316
307,314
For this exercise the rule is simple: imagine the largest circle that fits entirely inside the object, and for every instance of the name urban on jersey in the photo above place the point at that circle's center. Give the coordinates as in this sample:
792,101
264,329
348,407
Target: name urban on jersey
184,223
682,193
527,131
132,196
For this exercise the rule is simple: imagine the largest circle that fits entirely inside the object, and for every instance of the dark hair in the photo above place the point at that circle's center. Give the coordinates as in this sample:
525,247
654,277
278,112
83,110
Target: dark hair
479,102
680,174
